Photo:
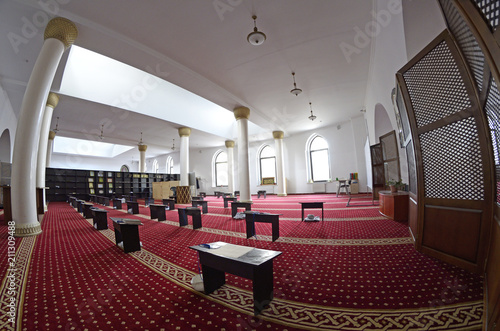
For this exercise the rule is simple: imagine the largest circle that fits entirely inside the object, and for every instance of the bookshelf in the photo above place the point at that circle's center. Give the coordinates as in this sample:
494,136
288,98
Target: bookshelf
81,183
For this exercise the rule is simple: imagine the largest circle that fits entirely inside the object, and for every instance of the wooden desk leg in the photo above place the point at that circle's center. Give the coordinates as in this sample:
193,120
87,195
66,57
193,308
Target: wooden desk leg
263,286
250,225
302,214
322,214
182,217
276,230
234,210
212,278
196,221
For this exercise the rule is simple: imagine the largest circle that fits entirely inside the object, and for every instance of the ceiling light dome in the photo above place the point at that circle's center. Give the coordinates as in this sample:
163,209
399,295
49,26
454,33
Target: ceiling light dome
256,37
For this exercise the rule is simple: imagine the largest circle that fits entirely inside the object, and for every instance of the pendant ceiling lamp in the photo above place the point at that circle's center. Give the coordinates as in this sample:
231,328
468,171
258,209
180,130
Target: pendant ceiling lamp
256,37
312,117
296,91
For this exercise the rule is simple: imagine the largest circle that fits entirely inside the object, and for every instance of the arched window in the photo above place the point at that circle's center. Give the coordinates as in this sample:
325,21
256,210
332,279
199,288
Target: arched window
170,165
318,159
155,166
124,168
267,163
220,169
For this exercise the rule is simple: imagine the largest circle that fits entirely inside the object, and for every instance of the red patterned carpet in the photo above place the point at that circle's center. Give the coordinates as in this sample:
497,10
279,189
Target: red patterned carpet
356,270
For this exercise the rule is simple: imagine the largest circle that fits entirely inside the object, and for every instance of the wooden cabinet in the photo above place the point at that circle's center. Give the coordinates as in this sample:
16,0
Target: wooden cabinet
394,205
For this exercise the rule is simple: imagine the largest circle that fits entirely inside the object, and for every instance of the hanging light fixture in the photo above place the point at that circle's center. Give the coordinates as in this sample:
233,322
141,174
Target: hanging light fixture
173,144
140,141
296,91
101,137
56,129
312,117
256,37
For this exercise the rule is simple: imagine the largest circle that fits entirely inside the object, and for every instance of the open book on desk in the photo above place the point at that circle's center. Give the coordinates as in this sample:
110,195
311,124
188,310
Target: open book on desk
126,221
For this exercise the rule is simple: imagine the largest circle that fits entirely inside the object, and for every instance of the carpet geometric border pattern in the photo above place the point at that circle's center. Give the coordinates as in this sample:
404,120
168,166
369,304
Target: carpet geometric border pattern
467,316
22,262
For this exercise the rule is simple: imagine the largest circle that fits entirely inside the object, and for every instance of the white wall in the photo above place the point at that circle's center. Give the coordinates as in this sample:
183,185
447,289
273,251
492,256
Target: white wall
8,121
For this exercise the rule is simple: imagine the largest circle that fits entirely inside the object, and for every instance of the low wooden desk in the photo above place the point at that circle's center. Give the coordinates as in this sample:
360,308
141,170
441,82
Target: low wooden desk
202,203
100,218
261,192
170,203
394,205
226,199
92,197
87,210
127,234
238,204
158,211
198,198
202,194
72,201
79,205
194,212
117,203
134,205
254,216
312,205
248,262
149,201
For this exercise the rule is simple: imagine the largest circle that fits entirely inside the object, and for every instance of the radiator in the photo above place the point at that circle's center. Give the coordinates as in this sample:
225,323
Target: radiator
319,187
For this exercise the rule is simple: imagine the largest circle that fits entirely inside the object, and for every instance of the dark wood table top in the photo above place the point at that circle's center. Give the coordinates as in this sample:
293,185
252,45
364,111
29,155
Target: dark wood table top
244,254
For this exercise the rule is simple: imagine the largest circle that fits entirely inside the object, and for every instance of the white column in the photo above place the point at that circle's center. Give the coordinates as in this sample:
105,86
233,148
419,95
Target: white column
52,101
280,167
184,133
59,34
50,148
242,114
230,166
142,157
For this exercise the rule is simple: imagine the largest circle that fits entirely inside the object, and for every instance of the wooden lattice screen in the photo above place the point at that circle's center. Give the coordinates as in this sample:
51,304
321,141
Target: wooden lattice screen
451,204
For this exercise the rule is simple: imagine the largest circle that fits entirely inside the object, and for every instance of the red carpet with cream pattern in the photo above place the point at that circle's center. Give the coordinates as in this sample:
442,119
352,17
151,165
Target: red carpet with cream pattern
356,270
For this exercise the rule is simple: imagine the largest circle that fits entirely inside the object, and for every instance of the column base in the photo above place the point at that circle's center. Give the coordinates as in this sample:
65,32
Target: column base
27,230
282,194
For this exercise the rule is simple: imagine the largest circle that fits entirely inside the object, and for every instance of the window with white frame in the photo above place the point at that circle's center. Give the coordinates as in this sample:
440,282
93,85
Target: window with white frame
170,165
318,159
267,163
220,169
155,166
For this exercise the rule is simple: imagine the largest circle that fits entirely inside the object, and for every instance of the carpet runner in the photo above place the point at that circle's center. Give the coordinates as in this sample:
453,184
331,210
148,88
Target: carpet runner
355,274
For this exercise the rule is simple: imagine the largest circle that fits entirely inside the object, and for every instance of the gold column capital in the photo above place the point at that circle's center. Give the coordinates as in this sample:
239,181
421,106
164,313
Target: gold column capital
278,134
62,29
184,132
52,100
142,148
241,112
229,143
52,135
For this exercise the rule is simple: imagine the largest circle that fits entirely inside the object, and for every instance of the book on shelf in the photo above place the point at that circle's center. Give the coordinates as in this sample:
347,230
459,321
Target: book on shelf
91,180
101,180
110,180
91,173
